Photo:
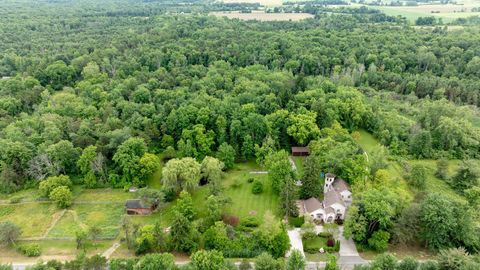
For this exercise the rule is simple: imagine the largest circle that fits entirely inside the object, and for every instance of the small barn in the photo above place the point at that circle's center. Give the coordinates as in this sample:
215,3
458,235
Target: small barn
300,151
136,207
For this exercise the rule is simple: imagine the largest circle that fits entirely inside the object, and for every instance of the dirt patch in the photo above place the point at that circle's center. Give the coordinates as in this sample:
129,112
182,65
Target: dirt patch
262,16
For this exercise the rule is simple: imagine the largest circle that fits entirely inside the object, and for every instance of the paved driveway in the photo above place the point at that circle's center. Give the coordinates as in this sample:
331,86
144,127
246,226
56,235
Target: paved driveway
349,256
295,241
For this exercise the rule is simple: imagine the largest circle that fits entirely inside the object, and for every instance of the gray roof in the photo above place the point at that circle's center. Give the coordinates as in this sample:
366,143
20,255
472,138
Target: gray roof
332,197
330,175
312,204
329,210
340,185
134,204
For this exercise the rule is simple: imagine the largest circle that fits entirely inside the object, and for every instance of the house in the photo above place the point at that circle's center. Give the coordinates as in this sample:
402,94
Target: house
339,185
300,151
337,198
136,207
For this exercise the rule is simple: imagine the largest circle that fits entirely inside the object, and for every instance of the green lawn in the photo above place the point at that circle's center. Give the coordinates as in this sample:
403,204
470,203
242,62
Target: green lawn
33,218
27,194
81,216
367,141
244,202
154,181
299,163
316,242
66,226
104,195
318,257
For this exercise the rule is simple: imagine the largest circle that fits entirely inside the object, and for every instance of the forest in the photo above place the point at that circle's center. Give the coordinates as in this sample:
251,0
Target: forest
105,94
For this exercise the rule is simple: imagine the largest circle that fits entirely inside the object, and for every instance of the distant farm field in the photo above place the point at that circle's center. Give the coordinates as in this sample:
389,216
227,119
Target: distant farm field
448,13
261,2
262,16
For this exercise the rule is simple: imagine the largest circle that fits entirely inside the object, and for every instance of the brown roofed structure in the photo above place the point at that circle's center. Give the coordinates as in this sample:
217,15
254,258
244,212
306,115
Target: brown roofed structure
136,207
300,151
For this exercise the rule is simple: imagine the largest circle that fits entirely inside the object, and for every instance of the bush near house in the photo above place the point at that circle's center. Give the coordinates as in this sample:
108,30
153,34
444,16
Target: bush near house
296,222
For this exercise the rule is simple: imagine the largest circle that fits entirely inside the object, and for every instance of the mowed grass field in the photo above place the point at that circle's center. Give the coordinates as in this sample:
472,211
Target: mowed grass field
244,202
235,183
33,218
104,195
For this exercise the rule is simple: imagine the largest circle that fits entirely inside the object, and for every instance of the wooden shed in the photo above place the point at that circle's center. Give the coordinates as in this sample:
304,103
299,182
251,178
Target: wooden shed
300,151
136,207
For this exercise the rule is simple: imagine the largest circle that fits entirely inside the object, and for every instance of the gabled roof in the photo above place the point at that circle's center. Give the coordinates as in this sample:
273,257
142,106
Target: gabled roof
300,149
330,175
134,204
312,204
329,210
340,185
332,197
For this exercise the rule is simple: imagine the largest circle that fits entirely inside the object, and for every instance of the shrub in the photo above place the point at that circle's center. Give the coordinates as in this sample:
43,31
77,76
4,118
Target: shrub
122,264
250,222
231,220
52,182
408,263
429,265
9,233
250,180
384,261
62,196
325,234
296,221
16,199
30,250
379,240
54,265
257,187
330,242
331,263
310,249
308,230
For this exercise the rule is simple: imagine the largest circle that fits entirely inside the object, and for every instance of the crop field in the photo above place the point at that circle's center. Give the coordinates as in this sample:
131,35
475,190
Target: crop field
262,16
